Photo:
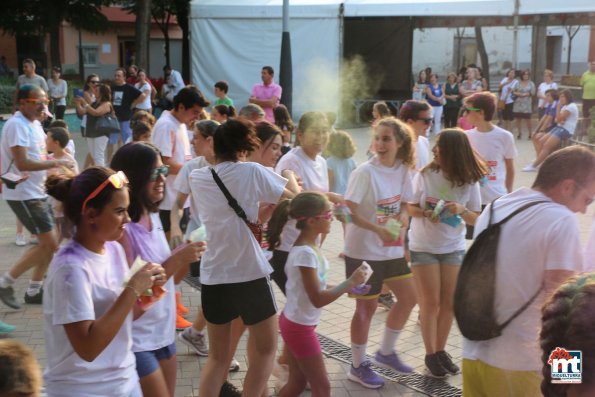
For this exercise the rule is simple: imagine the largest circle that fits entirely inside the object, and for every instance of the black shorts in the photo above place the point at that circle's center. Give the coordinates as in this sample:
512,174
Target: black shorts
35,215
392,269
164,216
253,301
507,112
278,264
522,116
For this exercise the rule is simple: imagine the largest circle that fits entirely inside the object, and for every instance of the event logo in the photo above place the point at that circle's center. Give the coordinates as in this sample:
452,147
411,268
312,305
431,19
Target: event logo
566,365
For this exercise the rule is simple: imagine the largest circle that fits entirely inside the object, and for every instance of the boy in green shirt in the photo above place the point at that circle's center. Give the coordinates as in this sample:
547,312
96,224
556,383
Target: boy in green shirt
221,88
588,84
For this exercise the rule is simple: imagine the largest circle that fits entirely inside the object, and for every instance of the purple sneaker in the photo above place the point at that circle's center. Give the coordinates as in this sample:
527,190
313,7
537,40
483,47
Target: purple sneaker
391,361
365,376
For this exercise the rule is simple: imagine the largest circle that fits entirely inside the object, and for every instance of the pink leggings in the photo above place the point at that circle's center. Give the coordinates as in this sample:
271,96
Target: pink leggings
300,339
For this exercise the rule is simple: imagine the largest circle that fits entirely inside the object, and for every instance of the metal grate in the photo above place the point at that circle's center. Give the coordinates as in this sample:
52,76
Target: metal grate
415,381
341,352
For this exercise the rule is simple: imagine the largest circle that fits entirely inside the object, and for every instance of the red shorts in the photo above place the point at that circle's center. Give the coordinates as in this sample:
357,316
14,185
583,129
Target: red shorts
300,339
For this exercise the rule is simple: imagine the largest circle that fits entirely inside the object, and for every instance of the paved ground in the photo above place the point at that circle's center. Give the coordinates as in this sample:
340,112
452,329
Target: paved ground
335,320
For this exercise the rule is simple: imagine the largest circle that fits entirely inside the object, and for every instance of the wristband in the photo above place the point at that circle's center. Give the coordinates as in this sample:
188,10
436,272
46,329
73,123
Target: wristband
133,290
464,212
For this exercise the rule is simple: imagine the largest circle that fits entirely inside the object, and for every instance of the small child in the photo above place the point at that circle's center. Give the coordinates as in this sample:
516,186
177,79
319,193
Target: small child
221,88
380,110
285,123
70,146
56,141
340,162
20,374
141,132
307,291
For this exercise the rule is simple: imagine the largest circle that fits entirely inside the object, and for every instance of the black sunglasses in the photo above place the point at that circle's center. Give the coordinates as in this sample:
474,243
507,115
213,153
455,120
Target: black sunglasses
428,121
155,172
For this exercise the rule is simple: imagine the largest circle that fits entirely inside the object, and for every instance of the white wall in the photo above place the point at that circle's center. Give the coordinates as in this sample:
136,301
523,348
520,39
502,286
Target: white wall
434,47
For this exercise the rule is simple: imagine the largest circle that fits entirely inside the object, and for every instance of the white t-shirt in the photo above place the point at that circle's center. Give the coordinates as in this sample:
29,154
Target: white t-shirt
422,152
570,123
233,254
171,137
507,89
589,260
182,183
146,103
543,237
543,87
379,192
440,238
314,174
299,308
156,328
83,285
20,131
494,147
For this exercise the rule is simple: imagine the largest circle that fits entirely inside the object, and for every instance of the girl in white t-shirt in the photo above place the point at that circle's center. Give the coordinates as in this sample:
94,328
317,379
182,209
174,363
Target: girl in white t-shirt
307,164
566,119
376,194
153,334
437,237
235,282
307,291
86,305
418,115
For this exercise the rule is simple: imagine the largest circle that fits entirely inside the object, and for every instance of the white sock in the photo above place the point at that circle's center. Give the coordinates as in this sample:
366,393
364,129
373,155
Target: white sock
358,354
389,340
6,280
34,287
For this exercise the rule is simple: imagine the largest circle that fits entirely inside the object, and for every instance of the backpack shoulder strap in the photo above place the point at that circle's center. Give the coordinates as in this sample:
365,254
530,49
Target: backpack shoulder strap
515,212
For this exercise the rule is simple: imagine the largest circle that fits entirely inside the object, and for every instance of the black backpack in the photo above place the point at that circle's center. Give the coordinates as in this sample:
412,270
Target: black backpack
476,284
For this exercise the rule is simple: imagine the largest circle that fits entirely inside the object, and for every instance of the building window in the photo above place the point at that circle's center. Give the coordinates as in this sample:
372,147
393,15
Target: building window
90,55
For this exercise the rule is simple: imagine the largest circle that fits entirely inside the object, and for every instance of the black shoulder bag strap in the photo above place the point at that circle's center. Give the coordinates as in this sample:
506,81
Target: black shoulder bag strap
233,203
503,221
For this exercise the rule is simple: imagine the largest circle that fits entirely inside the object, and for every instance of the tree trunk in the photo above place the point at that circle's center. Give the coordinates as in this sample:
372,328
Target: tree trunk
183,13
54,31
143,31
483,54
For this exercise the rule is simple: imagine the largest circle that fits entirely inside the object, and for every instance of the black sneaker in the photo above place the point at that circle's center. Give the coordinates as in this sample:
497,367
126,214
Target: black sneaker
434,366
229,390
386,300
36,299
7,296
446,361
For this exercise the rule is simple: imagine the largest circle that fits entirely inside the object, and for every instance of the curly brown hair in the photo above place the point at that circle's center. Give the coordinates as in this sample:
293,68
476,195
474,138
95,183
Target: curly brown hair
404,136
340,145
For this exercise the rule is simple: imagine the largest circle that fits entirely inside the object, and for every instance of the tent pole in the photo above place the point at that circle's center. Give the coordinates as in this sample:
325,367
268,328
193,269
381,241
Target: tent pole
515,32
285,73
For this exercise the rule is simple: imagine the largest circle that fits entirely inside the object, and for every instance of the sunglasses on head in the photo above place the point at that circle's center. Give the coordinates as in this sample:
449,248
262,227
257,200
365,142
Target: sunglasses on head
427,121
470,109
327,215
118,181
155,172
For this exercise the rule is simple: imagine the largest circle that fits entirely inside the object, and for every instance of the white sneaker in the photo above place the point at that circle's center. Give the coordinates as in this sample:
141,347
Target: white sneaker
234,366
21,240
529,168
194,340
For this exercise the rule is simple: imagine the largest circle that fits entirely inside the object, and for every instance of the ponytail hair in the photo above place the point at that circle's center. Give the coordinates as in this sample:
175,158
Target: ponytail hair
303,206
567,322
404,136
73,190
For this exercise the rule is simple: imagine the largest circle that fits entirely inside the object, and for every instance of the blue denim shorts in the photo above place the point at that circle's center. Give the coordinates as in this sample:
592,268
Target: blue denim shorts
560,133
426,258
148,362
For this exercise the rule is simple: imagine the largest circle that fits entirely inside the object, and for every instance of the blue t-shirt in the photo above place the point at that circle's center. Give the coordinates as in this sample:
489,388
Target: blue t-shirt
341,170
437,92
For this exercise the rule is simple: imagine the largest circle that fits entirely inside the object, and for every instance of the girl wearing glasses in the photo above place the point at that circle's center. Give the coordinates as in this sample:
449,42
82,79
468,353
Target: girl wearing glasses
418,116
437,239
153,334
375,195
87,307
307,291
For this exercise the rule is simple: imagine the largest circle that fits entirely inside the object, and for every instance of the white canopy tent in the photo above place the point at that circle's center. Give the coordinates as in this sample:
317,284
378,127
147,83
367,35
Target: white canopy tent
232,39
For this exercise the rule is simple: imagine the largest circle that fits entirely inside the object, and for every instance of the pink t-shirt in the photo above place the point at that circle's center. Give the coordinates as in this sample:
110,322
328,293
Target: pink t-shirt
264,92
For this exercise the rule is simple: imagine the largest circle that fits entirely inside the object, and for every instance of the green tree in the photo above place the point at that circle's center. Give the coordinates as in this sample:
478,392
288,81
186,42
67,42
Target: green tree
41,17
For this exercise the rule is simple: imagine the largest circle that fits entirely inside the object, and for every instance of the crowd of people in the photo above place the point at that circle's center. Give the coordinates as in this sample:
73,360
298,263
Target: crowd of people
245,198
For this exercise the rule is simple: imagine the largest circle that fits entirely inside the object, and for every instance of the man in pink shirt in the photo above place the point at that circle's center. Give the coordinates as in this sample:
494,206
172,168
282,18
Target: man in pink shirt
267,94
